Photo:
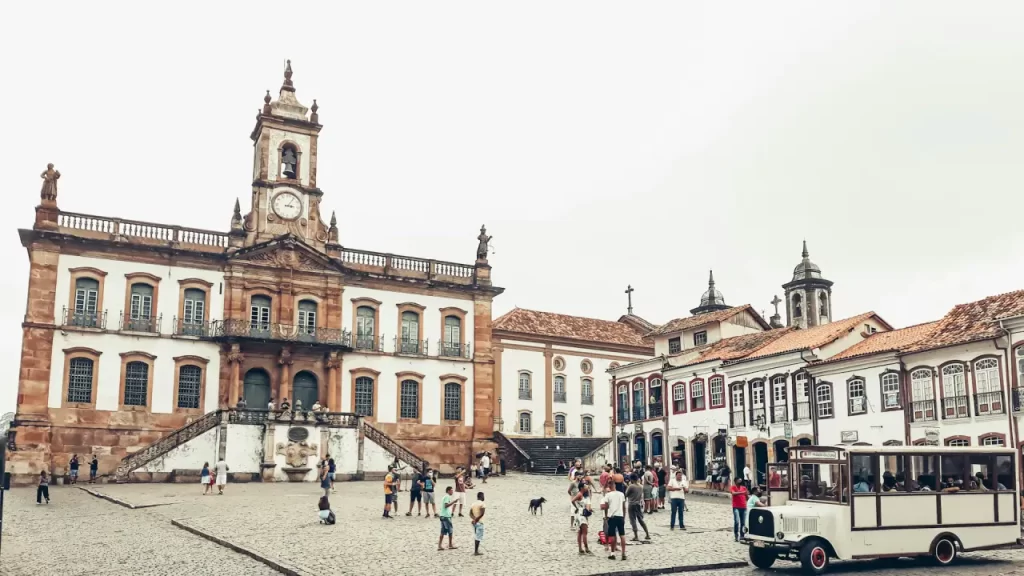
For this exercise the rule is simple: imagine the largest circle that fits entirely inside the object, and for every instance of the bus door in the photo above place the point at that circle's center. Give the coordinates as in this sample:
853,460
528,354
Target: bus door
778,484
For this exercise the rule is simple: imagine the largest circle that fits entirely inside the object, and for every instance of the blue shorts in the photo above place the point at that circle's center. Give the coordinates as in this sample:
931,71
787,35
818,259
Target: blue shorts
446,526
478,531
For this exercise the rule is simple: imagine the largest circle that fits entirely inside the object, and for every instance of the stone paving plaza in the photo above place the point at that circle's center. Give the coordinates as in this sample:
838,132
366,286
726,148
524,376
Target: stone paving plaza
79,533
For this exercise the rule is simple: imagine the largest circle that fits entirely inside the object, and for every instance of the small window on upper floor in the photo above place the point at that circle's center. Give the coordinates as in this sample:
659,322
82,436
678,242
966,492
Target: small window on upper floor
307,317
675,345
86,302
259,313
700,338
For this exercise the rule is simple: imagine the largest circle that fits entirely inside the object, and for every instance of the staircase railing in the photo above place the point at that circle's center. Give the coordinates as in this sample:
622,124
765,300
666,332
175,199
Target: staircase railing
397,450
167,443
516,457
588,460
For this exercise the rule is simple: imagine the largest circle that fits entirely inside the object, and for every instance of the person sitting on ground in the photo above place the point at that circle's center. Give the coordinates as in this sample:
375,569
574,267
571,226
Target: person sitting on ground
325,514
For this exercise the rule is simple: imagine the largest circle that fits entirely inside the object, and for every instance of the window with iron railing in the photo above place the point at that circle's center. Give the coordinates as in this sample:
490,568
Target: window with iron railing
922,410
586,391
559,389
989,403
525,389
803,410
86,303
623,415
736,419
657,410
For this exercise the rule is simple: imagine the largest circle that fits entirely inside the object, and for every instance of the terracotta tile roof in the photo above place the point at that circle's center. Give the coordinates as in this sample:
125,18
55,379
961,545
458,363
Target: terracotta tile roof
815,337
973,321
737,346
681,324
891,341
574,327
638,322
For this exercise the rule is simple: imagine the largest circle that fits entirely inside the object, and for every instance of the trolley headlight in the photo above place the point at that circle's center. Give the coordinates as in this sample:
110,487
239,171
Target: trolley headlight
780,536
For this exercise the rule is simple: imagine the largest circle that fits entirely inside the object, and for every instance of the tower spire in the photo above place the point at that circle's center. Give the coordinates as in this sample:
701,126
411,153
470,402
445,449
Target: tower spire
805,254
288,77
711,279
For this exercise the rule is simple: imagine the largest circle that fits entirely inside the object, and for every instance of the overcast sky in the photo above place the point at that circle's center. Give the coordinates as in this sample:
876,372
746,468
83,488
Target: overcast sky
603,144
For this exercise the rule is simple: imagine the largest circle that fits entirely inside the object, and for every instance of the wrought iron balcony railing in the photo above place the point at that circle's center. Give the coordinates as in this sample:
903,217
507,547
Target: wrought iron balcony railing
989,403
657,410
623,415
736,419
76,319
803,411
417,347
757,416
922,410
185,328
639,413
559,396
368,342
587,399
525,395
1017,396
150,324
955,407
280,332
454,350
780,414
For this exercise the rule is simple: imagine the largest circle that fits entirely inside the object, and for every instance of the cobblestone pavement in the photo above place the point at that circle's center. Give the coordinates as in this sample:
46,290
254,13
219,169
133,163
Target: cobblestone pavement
80,534
278,521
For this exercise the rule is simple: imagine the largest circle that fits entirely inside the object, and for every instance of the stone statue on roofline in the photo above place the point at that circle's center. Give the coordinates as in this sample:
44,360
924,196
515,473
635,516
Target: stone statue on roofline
49,192
481,249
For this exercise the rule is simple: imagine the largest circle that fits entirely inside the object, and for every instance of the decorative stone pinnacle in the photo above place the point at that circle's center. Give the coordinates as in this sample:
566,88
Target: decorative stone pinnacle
805,253
314,117
266,103
332,232
711,278
288,77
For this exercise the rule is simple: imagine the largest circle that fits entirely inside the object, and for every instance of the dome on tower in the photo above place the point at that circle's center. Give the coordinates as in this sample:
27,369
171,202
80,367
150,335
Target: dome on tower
806,268
711,299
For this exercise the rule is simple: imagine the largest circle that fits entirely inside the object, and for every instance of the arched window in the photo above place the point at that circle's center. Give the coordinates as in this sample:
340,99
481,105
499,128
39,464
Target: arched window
803,397
409,403
923,394
364,396
559,389
954,391
452,345
525,387
697,395
87,292
679,398
798,310
524,422
588,426
259,313
717,385
737,417
890,391
958,442
140,308
193,312
780,408
855,394
136,384
190,379
366,322
80,380
587,391
823,309
1018,396
823,397
560,424
992,440
289,162
639,402
410,343
623,395
657,401
307,317
989,393
453,401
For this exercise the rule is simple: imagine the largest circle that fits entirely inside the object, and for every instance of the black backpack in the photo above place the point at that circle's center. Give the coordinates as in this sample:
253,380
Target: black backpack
330,518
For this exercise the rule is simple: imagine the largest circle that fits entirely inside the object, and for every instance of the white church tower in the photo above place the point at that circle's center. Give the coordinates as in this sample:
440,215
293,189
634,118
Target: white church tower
808,295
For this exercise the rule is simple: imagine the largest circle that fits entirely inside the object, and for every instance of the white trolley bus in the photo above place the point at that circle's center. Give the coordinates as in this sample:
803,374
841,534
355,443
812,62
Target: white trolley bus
854,502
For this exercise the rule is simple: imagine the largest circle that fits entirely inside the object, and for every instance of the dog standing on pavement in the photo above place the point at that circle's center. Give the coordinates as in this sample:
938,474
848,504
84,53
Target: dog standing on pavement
537,504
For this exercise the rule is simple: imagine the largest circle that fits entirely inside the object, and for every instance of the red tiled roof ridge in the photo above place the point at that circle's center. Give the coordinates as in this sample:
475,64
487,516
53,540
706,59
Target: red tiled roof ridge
805,338
518,309
973,321
685,322
888,341
582,328
726,348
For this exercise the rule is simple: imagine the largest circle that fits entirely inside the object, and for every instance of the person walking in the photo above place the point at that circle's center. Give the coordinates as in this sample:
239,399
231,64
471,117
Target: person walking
747,477
648,487
204,478
485,465
614,507
585,512
389,492
574,489
476,517
739,507
460,489
325,477
73,467
677,488
222,476
43,491
447,503
416,495
663,478
635,501
94,467
428,492
332,468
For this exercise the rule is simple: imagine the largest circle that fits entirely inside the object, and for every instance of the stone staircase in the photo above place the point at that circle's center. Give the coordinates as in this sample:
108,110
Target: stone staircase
397,450
544,453
164,445
514,456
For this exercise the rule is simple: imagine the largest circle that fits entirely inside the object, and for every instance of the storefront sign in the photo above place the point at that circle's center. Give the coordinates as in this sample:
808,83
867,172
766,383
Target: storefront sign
848,436
819,455
788,430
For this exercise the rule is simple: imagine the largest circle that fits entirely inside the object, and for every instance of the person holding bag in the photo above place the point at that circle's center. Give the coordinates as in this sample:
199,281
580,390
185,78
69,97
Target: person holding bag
582,501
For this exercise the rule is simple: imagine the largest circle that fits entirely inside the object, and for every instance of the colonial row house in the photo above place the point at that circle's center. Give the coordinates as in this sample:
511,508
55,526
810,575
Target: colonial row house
136,331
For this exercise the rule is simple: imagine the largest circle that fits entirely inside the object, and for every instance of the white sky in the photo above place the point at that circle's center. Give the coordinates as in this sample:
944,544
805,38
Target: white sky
602,143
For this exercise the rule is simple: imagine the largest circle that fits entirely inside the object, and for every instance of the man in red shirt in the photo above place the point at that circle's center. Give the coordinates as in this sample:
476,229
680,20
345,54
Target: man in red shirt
739,507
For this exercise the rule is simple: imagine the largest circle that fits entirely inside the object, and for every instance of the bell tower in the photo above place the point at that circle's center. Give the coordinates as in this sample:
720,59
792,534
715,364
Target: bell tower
285,198
808,295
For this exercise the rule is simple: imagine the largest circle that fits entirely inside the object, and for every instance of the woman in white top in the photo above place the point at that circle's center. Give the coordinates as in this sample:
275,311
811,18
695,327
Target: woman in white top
582,500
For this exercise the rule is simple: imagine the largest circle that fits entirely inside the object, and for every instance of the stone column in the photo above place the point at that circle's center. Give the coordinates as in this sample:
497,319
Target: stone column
549,419
284,385
333,391
235,358
496,399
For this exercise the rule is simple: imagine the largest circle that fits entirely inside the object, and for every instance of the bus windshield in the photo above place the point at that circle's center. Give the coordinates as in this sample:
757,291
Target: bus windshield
820,483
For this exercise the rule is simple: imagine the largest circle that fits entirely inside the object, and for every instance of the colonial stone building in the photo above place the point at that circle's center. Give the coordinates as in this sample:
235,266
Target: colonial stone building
135,329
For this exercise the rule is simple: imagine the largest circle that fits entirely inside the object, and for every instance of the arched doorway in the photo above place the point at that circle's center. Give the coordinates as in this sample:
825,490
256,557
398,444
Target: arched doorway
304,389
700,454
657,446
623,449
782,450
760,463
256,388
739,461
640,448
679,455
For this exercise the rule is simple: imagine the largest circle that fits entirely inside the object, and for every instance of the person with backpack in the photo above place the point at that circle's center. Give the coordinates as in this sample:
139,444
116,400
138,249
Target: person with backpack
326,515
428,492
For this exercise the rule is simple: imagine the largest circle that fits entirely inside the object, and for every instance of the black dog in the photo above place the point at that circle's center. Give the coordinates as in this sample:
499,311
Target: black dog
537,504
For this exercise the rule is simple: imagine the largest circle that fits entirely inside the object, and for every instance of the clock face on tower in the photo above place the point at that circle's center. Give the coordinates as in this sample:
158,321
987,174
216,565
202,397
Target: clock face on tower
287,205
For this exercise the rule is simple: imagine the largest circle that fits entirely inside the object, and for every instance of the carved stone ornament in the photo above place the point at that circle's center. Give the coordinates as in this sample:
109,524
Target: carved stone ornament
235,354
296,454
333,361
481,248
286,357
